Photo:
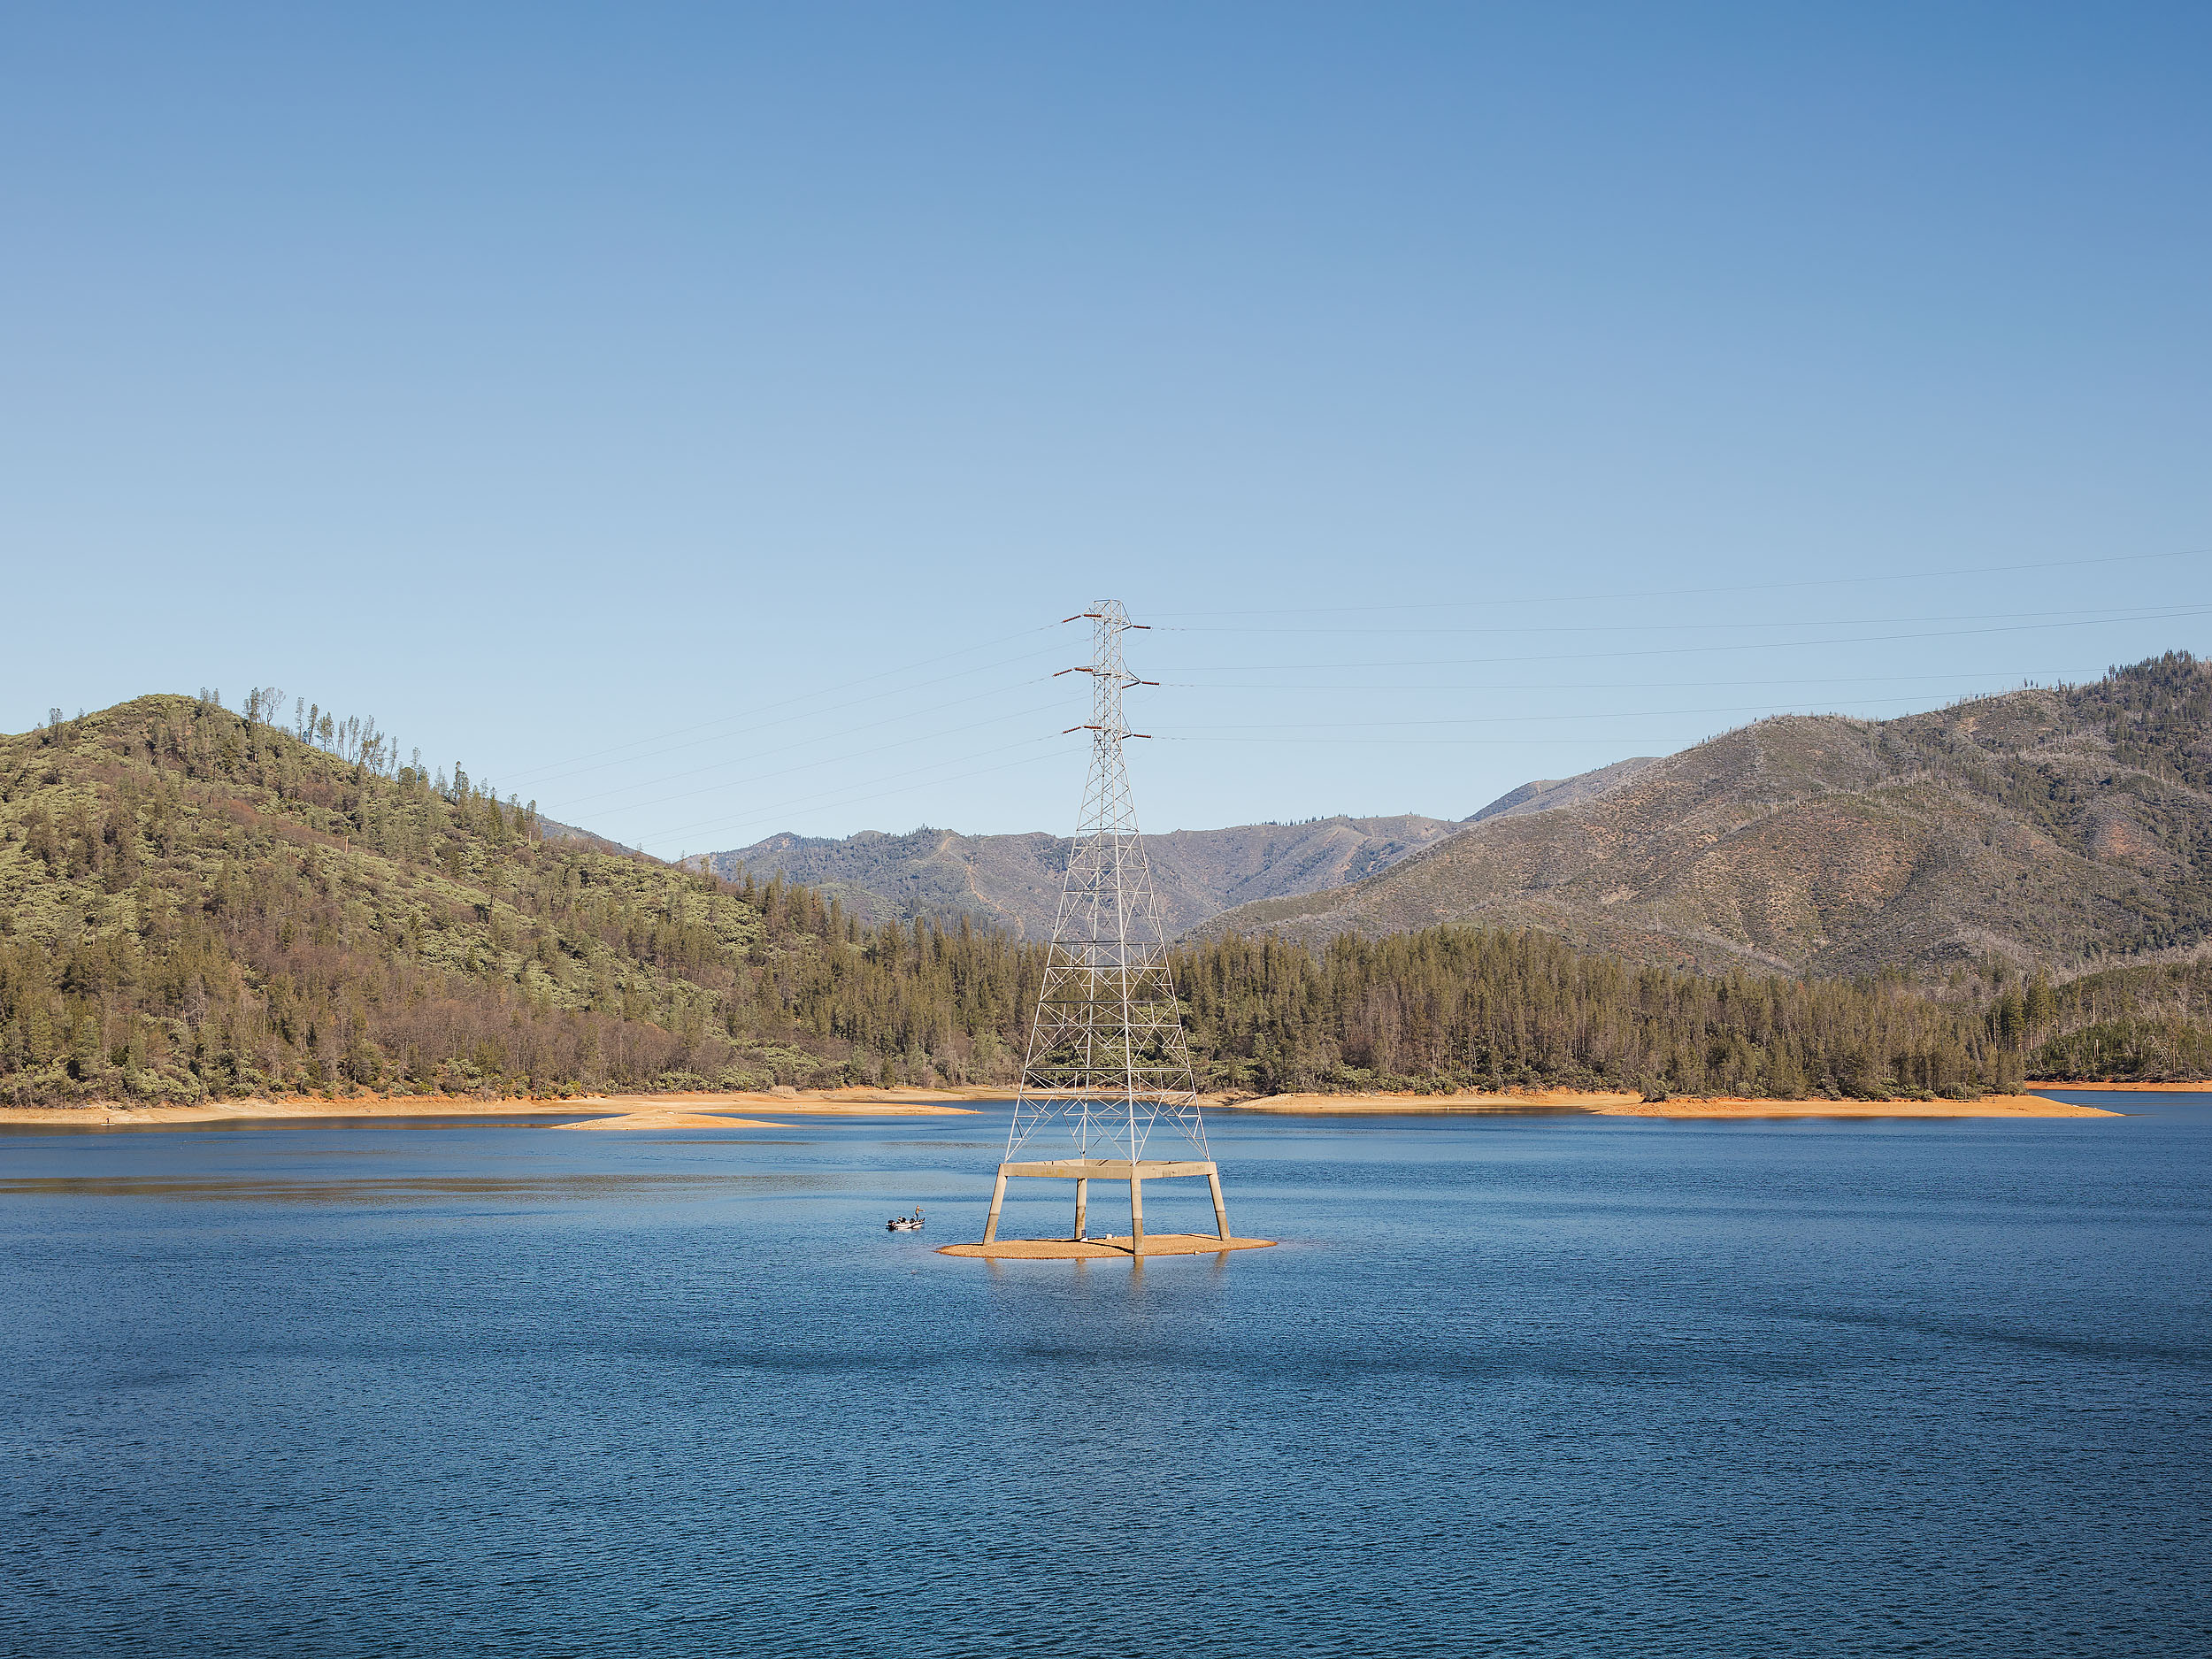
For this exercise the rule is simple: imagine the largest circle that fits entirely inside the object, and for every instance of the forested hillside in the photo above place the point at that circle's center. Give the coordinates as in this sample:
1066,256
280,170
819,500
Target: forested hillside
1483,1008
195,901
192,900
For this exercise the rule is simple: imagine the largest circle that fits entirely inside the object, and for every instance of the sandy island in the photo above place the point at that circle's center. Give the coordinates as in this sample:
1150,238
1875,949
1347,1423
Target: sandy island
1095,1249
668,1120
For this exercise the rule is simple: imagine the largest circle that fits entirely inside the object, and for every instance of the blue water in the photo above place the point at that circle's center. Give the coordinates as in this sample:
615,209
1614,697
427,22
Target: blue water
1541,1385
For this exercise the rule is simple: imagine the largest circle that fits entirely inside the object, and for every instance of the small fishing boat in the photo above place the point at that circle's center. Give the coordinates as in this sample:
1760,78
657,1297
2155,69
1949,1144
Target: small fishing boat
906,1224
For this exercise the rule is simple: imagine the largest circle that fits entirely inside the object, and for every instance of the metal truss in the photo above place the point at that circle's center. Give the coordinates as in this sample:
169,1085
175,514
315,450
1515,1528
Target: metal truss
1107,1072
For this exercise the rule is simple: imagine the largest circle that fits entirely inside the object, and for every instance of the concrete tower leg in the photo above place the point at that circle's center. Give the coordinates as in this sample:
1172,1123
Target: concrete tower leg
1221,1206
998,1197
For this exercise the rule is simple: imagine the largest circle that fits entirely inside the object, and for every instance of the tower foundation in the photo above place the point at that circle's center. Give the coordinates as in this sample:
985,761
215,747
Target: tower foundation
1083,1171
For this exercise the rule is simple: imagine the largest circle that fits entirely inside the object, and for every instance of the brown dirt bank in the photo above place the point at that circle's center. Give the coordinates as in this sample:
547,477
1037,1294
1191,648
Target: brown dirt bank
640,1111
844,1103
1399,1105
2129,1088
1625,1103
1988,1106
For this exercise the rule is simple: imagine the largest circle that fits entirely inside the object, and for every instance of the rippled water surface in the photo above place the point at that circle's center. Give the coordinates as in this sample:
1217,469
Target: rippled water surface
1542,1384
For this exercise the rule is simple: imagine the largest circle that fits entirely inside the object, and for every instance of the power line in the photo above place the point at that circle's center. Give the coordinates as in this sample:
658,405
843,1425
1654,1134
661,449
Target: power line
1692,593
1691,650
1669,685
1519,719
1438,742
2115,614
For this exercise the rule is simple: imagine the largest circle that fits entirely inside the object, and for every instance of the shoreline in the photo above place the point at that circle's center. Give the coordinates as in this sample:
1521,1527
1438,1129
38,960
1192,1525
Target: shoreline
1627,1103
2125,1089
757,1110
601,1109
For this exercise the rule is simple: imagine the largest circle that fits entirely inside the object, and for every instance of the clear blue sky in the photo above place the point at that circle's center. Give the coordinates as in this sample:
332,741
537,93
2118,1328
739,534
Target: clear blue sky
547,379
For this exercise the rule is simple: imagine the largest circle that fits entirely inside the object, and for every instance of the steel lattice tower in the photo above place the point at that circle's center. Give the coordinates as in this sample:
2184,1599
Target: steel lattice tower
1106,1076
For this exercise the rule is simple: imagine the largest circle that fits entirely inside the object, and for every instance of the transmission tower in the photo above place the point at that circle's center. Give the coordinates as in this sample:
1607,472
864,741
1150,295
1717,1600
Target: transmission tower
1106,1086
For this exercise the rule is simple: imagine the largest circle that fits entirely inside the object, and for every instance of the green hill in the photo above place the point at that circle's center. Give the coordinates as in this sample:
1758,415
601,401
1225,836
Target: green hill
195,901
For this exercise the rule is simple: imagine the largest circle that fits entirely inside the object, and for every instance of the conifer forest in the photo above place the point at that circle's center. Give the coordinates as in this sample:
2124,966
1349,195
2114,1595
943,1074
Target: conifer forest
199,901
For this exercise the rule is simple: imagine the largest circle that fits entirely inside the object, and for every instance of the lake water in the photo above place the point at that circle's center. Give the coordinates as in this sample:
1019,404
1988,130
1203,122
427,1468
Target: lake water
1528,1385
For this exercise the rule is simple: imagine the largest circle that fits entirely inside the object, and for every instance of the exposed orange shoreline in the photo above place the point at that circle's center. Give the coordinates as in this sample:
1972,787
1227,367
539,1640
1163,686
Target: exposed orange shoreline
1988,1106
624,1111
720,1110
1625,1103
2132,1089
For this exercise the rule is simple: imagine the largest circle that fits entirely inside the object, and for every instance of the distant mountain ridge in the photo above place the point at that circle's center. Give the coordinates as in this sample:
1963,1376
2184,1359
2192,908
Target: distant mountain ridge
1014,881
2057,827
1545,793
